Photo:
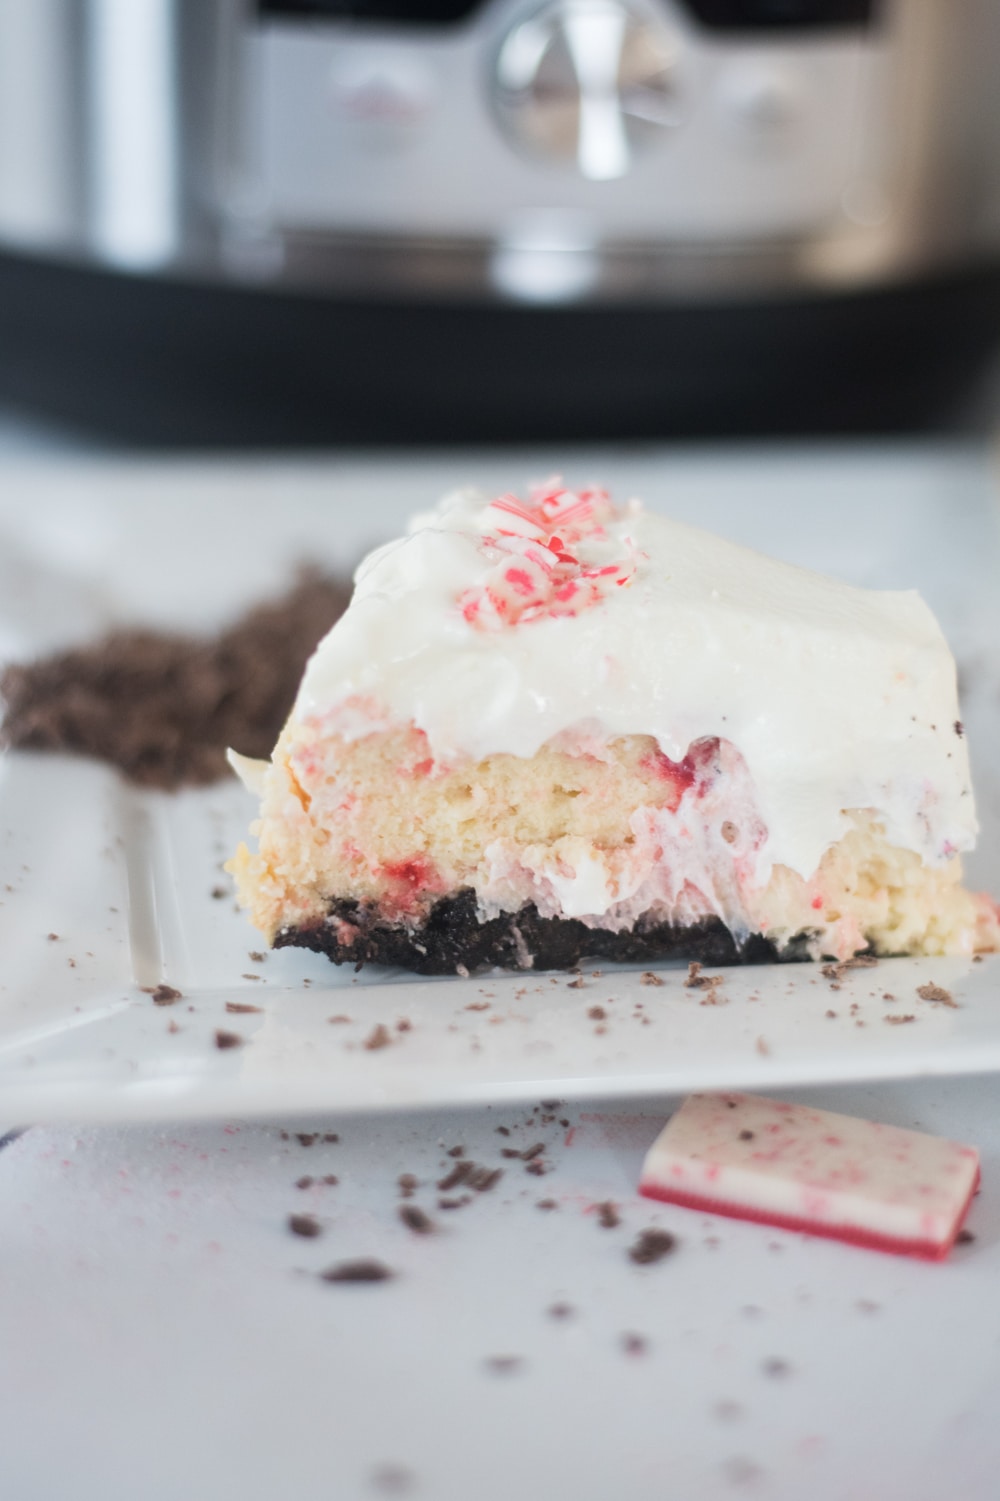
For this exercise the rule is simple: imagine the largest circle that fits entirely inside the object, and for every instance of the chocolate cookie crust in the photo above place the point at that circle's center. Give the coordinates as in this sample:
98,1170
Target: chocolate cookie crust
452,939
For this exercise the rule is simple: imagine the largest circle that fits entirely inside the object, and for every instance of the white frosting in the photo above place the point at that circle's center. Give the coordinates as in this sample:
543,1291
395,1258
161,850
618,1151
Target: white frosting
836,697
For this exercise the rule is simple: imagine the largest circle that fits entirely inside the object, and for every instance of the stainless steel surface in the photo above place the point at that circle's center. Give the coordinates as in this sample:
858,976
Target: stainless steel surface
588,82
193,138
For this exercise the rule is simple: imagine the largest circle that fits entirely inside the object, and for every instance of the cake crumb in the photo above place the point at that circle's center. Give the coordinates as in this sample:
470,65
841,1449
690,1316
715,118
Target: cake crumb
898,1019
546,1204
165,995
597,1013
306,1225
224,1040
408,1184
938,995
336,1021
378,1037
763,1047
306,1181
365,1269
416,1219
648,978
634,1344
652,1246
697,980
607,1215
241,1008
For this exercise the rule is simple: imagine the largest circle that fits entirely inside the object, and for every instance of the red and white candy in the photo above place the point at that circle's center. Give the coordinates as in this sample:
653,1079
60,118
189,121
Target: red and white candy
532,547
810,1170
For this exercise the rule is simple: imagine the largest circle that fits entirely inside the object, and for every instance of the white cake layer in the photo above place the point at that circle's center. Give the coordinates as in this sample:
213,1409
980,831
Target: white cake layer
766,1160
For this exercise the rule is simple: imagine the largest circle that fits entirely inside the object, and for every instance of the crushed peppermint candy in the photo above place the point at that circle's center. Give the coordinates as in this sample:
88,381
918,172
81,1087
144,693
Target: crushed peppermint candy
545,562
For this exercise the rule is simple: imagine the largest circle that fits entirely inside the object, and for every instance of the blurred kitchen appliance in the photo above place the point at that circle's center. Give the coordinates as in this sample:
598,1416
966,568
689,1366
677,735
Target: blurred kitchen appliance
309,220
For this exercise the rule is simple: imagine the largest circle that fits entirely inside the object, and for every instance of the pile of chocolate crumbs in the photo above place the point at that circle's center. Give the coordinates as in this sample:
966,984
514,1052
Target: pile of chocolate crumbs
164,708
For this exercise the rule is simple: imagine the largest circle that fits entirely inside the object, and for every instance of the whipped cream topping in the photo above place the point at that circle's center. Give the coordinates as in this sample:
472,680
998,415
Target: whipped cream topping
497,626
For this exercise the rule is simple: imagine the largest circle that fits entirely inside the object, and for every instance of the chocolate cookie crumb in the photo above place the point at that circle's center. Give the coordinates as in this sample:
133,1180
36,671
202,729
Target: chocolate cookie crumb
256,957
696,980
331,1136
456,1151
459,1203
561,1311
964,1238
365,1269
306,1138
408,1184
330,1179
607,1215
652,1246
165,995
219,893
458,1175
546,1204
241,1008
164,708
938,994
305,1224
634,1344
226,1040
378,1037
776,1368
746,1136
416,1220
305,1181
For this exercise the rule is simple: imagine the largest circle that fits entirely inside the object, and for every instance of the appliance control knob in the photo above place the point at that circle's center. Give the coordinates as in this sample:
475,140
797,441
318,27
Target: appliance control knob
588,83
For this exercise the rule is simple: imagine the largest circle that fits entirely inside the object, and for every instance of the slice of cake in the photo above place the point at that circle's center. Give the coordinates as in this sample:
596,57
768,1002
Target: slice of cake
552,729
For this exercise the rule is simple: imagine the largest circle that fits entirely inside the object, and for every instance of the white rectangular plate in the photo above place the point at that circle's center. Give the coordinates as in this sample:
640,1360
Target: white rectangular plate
124,880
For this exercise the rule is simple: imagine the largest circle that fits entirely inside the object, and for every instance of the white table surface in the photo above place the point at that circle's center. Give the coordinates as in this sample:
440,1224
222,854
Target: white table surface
163,1335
